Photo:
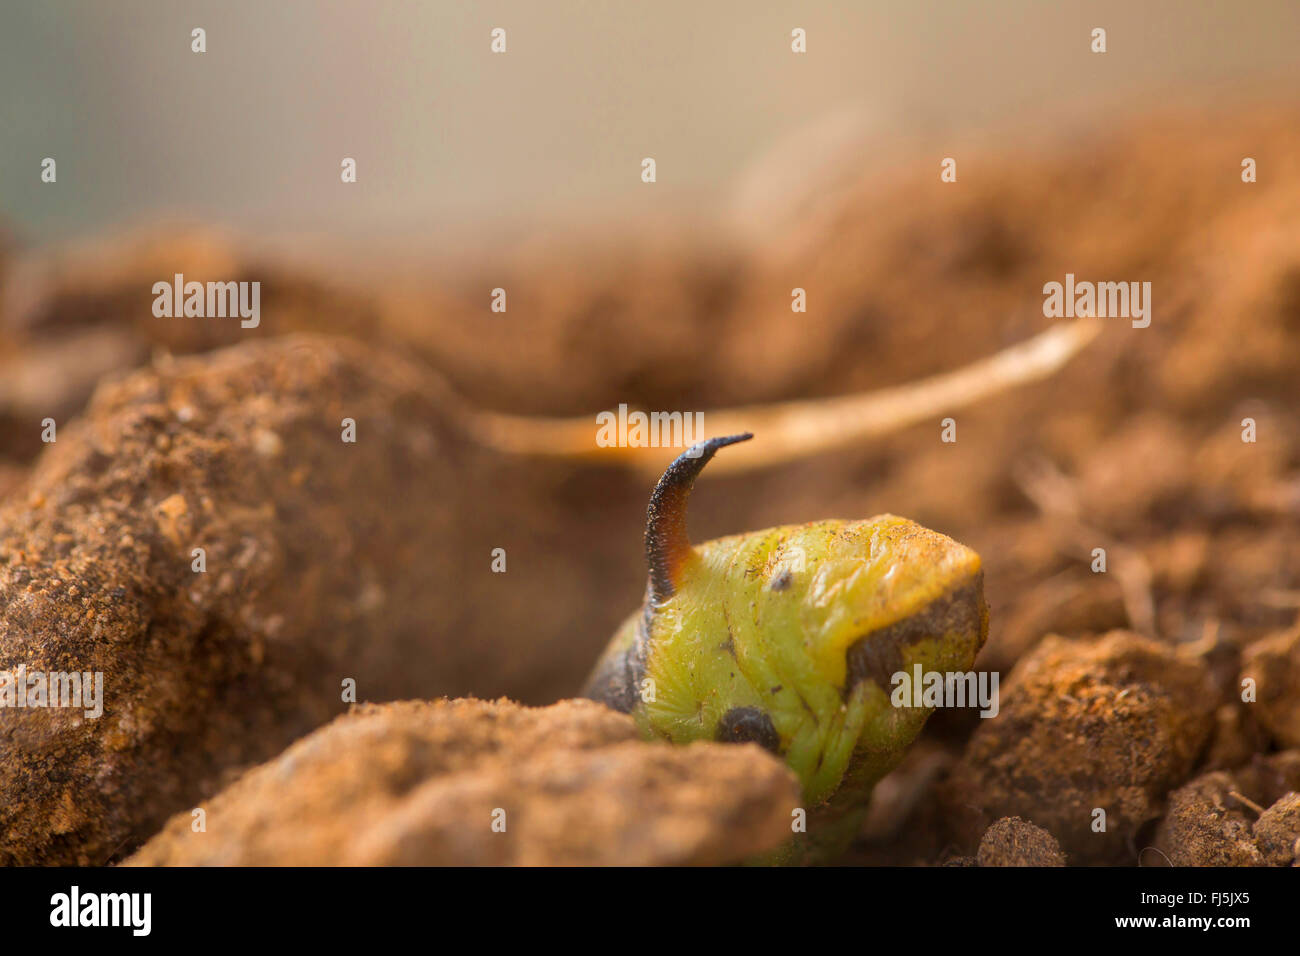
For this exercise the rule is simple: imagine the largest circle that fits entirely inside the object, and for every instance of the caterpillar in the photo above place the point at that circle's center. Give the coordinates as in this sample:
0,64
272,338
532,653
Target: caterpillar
789,638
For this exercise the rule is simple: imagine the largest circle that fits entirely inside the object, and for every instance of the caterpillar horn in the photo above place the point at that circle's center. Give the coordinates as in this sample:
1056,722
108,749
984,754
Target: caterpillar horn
667,545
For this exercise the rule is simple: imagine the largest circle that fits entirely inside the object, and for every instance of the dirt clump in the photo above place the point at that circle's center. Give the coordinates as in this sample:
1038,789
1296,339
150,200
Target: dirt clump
1086,727
470,782
1013,842
1273,663
208,542
1246,817
1277,832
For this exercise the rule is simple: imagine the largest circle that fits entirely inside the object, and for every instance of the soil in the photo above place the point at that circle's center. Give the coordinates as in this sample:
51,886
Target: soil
327,561
421,784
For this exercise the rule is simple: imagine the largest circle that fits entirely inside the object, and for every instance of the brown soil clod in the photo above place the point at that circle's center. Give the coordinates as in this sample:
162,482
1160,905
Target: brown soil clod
322,561
1246,817
469,782
1273,664
1013,842
1090,737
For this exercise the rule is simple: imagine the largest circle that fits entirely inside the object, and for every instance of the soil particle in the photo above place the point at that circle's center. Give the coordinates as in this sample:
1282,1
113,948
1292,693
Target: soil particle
1274,665
1013,842
1246,817
1086,727
1277,832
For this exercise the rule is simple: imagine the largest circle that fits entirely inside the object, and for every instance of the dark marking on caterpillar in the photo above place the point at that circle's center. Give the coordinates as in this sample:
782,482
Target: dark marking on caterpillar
878,656
617,682
749,725
781,581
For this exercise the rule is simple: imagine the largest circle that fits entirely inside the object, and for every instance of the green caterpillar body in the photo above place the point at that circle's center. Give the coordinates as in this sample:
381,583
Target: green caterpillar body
789,638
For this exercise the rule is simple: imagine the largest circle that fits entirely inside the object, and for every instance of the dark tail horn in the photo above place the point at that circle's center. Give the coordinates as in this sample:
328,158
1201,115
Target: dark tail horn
666,543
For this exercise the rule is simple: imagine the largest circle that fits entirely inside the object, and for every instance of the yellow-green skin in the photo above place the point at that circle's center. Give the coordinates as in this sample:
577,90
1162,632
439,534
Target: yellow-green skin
767,620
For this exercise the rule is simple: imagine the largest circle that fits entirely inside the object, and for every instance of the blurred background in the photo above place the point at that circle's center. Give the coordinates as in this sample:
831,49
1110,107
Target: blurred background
455,144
